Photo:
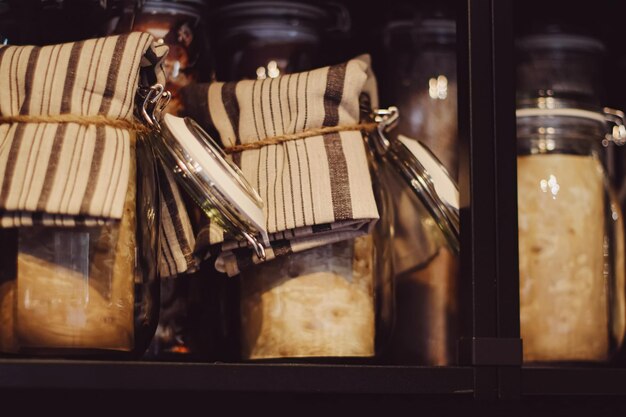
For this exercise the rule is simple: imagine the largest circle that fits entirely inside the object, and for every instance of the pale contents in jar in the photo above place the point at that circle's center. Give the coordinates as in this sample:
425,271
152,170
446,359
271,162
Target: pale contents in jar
317,303
74,287
563,288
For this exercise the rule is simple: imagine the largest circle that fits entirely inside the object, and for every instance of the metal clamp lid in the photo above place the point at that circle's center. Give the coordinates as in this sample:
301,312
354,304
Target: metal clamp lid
202,169
424,173
614,119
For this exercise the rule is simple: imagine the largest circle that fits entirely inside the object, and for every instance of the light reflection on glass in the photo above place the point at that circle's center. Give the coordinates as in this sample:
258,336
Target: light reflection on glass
438,87
272,71
550,185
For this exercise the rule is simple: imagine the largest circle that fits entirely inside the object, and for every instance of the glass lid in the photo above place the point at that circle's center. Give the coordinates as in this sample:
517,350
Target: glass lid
424,173
215,183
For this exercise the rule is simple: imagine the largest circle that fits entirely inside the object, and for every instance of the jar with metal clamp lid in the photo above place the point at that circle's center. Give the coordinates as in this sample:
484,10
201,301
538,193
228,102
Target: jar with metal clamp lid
419,77
180,25
571,243
332,302
337,301
88,290
78,266
85,291
216,187
426,237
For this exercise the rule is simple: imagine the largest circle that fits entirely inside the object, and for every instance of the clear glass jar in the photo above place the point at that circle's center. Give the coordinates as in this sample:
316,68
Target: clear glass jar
338,301
180,25
419,77
259,39
85,291
185,315
335,301
554,63
571,243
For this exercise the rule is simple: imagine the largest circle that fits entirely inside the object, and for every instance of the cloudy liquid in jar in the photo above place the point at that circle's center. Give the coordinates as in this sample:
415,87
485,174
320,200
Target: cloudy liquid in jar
563,267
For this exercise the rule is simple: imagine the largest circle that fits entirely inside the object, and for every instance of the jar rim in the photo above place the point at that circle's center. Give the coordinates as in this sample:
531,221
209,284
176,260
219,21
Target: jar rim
271,9
429,30
561,41
172,8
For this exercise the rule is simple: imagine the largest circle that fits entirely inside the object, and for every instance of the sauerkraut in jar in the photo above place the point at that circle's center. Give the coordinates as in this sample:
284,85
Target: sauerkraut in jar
570,240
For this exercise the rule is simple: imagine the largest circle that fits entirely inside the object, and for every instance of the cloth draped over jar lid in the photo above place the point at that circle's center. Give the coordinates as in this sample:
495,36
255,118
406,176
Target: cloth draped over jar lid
60,173
316,190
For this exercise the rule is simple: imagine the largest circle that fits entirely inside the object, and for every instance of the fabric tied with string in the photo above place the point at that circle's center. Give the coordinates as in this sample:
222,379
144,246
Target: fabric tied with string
316,189
64,173
67,128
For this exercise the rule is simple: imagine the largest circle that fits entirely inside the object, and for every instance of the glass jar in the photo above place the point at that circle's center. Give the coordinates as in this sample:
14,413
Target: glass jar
338,300
85,291
259,39
419,77
46,22
553,63
334,301
571,243
185,315
180,25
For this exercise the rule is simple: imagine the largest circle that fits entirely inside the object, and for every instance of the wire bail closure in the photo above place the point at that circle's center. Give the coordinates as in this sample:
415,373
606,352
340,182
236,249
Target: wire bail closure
616,118
417,177
190,167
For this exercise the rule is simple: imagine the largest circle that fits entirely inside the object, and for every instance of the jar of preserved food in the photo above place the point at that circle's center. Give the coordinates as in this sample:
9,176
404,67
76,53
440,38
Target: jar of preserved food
80,228
185,315
571,242
323,288
333,301
554,63
259,39
419,77
180,25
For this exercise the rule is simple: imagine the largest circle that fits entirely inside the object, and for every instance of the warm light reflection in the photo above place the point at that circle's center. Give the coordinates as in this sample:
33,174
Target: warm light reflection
550,185
438,87
272,71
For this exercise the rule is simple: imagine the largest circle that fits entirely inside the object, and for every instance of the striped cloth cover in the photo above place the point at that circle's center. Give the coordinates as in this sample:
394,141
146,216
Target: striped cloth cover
66,174
316,190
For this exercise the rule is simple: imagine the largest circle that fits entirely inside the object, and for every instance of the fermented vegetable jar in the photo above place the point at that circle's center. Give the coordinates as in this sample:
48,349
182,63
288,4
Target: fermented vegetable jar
552,62
179,24
332,301
419,77
323,285
571,249
571,241
80,227
258,39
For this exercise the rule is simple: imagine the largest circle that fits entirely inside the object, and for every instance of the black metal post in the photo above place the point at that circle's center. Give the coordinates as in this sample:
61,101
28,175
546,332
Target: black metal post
489,257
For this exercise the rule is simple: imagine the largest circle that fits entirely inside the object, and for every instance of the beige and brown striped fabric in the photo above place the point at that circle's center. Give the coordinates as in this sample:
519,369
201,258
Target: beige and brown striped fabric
66,173
177,238
316,190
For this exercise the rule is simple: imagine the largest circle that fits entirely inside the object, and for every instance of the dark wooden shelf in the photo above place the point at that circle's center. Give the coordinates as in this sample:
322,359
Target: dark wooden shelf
294,378
573,381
